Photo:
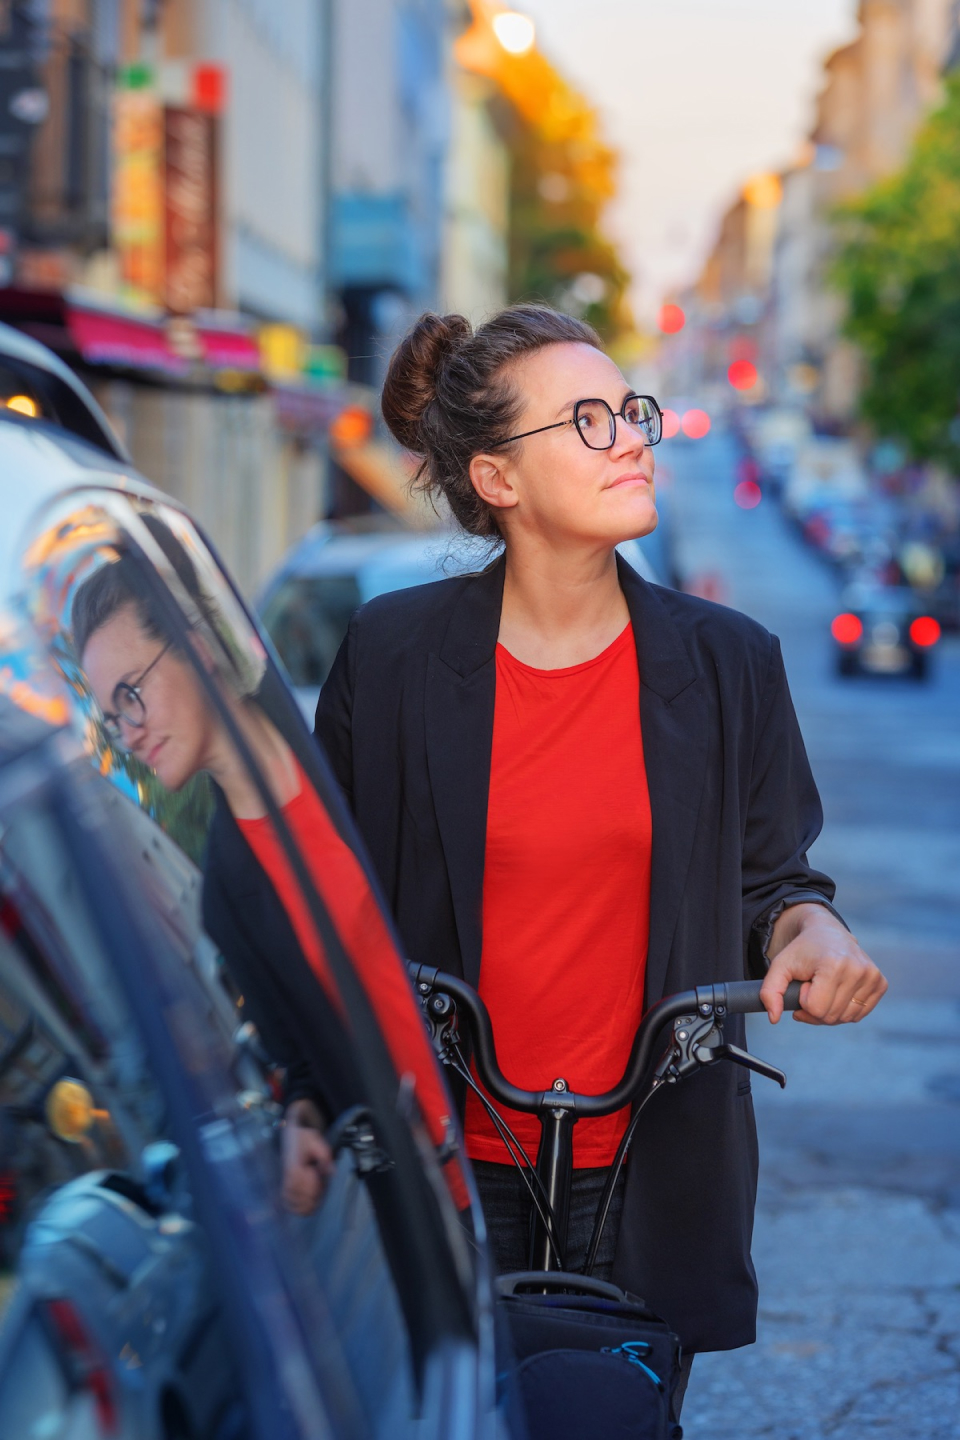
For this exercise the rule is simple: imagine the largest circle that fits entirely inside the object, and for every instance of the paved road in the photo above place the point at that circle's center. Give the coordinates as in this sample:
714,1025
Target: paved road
858,1229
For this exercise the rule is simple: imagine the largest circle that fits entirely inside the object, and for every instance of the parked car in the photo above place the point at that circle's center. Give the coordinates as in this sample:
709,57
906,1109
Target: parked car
192,1303
307,604
152,1283
883,630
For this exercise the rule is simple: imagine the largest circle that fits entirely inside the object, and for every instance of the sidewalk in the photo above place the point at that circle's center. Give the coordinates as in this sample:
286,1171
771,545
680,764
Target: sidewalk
857,1244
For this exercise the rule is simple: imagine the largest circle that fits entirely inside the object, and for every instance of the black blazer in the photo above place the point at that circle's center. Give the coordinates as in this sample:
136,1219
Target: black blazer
406,718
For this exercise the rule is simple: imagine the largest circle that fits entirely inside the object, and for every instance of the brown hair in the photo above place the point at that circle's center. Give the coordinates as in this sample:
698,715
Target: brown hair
447,396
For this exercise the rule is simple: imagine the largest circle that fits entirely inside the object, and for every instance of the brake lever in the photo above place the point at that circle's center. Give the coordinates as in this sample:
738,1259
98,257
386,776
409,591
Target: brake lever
740,1057
698,1040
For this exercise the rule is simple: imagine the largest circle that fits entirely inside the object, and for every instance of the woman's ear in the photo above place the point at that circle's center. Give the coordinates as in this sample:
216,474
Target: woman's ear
490,480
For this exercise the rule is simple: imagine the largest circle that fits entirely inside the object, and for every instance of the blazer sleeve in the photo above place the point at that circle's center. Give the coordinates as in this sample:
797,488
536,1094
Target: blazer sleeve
784,817
333,722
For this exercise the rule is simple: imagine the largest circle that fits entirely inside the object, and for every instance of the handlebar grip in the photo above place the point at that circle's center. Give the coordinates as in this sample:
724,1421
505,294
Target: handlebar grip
743,997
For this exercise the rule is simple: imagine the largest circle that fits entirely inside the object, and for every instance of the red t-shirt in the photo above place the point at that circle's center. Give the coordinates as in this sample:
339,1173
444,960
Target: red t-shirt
566,888
344,890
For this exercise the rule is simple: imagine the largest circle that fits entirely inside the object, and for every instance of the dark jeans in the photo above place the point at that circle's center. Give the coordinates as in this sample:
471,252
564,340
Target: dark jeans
507,1205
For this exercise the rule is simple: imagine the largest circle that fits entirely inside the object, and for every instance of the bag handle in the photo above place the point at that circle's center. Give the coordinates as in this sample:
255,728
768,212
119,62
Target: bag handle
560,1280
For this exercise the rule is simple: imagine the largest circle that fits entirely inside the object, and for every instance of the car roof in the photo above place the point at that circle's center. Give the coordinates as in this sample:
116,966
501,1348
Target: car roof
390,559
16,346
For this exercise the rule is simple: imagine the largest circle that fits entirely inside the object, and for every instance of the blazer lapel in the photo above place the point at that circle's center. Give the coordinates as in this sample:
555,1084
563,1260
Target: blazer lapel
459,706
675,746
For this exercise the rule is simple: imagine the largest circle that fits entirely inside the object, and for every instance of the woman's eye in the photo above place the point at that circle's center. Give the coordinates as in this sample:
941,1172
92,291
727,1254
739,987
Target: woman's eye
585,421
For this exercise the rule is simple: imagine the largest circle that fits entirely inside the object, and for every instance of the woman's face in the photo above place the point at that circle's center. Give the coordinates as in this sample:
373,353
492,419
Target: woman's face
178,730
556,486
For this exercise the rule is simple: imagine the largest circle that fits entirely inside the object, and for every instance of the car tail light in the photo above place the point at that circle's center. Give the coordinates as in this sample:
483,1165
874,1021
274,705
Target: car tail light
88,1367
924,631
846,629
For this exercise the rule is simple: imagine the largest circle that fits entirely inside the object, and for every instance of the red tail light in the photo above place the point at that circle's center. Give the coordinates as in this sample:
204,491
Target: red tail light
924,630
846,629
84,1357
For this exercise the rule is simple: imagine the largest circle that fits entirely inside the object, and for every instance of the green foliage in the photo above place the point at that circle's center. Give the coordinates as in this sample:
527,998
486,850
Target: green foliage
899,270
184,814
557,237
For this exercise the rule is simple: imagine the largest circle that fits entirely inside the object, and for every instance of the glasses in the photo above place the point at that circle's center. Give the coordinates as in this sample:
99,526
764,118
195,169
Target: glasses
596,424
130,709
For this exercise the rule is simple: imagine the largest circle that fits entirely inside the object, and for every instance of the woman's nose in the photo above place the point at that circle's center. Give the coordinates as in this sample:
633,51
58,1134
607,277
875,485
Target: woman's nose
134,736
627,436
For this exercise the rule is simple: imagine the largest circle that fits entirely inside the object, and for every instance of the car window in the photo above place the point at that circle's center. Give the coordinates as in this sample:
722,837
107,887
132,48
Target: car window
188,724
306,617
30,392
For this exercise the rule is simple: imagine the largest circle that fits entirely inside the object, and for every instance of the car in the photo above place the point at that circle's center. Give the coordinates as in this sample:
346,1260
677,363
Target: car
883,630
153,1285
307,603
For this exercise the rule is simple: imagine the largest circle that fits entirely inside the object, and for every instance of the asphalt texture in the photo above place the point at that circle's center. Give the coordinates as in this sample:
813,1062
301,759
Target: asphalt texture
857,1241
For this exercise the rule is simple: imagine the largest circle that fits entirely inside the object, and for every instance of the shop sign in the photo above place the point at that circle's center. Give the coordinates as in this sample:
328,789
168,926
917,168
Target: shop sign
190,210
137,219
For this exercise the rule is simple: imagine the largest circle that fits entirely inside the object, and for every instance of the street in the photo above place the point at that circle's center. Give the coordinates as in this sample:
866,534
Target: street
857,1243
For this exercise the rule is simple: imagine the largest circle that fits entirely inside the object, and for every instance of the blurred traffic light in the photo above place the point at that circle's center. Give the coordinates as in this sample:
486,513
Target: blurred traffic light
748,494
671,424
742,375
695,424
671,319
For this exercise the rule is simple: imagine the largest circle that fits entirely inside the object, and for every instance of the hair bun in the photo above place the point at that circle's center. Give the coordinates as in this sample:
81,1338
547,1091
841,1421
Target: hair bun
414,371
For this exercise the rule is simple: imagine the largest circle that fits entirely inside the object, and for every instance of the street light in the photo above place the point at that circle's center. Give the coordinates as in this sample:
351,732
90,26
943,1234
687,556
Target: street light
515,31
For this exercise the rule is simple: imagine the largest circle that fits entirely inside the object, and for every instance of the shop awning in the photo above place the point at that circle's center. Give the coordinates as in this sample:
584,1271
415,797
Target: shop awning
171,347
104,338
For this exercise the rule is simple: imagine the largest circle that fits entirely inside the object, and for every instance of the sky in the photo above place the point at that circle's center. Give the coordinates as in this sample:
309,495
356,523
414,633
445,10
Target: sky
695,95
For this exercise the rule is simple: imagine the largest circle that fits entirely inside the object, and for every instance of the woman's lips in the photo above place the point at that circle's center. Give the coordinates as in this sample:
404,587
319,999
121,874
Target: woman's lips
152,756
634,478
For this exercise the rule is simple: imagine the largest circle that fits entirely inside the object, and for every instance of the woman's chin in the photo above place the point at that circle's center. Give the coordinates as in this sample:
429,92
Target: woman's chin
636,520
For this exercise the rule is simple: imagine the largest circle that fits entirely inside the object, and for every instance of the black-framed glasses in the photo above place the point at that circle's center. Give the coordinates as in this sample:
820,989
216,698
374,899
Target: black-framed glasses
596,423
129,708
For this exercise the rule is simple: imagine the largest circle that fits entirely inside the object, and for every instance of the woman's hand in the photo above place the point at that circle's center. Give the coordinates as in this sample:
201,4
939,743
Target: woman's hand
307,1158
842,984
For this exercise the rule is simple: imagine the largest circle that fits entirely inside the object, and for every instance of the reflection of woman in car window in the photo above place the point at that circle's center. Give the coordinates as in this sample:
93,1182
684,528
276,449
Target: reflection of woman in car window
153,703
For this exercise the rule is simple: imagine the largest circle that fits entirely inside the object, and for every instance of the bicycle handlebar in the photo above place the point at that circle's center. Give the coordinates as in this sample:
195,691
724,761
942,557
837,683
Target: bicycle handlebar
736,997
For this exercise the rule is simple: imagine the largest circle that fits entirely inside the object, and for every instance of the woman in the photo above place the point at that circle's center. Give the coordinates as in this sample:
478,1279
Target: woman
582,792
155,705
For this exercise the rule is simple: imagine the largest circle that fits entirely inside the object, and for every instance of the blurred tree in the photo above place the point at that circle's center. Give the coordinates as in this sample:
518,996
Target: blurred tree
899,270
562,178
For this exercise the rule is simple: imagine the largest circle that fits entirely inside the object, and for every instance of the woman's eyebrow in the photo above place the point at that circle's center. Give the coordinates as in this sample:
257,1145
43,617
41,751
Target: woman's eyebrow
569,406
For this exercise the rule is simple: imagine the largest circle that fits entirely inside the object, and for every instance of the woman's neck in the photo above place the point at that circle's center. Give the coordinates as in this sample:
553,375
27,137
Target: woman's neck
560,609
274,759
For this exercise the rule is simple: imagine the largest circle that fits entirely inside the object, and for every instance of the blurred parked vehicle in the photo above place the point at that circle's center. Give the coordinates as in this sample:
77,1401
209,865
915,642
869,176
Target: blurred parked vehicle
776,433
825,471
307,604
883,630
